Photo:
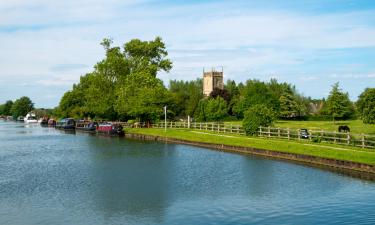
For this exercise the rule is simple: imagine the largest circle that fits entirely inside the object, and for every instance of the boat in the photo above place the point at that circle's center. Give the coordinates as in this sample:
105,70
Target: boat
20,119
110,128
86,126
44,121
66,124
51,122
30,118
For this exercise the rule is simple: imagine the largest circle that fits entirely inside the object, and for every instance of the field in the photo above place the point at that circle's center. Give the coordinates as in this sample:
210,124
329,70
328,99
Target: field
356,126
299,147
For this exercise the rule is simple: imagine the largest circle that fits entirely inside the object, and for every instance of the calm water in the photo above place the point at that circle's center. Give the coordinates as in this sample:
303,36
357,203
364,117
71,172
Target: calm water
50,177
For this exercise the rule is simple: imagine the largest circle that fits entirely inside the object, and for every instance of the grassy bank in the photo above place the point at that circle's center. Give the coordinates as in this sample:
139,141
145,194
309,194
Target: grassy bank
356,126
305,148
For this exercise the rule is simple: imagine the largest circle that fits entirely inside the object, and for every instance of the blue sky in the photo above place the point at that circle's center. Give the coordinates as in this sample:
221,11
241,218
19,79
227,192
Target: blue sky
45,46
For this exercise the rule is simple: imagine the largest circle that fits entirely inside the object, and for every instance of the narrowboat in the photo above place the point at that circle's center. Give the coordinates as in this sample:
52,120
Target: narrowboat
51,123
110,129
66,124
86,126
44,122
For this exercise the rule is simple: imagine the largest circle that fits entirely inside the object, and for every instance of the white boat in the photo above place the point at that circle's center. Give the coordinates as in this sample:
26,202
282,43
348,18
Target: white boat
30,118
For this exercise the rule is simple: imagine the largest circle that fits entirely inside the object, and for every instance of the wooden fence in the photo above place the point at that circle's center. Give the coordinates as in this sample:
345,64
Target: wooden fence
357,140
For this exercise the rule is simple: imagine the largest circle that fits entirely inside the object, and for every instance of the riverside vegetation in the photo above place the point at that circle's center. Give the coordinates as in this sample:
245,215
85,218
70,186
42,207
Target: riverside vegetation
124,86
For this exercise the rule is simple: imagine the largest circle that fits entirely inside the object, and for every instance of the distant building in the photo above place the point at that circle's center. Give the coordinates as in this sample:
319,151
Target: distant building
211,80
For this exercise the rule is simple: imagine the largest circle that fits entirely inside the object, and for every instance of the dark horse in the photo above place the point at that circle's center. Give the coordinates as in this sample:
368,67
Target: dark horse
344,128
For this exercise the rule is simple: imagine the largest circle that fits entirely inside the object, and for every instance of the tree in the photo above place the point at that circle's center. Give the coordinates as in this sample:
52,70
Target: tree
224,94
216,109
143,97
338,104
7,108
186,96
288,106
200,113
256,116
366,105
21,107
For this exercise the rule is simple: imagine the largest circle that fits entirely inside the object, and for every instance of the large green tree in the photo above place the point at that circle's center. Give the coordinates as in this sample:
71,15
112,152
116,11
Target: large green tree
123,84
338,104
366,105
21,107
256,116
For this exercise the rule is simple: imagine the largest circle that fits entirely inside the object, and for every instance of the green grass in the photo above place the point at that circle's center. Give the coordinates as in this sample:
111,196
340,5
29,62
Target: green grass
356,126
299,147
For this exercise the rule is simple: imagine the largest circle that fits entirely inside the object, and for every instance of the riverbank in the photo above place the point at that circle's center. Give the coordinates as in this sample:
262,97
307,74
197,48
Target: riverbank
342,157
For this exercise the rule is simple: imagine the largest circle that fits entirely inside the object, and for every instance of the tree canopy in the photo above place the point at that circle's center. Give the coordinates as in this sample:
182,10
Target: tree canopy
366,105
21,107
338,103
123,85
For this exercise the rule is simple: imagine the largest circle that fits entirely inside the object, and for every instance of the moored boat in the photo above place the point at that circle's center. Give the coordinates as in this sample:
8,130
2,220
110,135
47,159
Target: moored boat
66,124
30,118
86,126
51,122
110,128
44,121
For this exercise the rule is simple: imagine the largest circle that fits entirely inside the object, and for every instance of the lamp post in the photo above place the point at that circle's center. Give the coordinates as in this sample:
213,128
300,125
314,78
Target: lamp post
165,118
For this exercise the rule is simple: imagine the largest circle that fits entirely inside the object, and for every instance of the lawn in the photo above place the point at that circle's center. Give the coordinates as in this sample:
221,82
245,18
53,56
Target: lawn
298,147
356,126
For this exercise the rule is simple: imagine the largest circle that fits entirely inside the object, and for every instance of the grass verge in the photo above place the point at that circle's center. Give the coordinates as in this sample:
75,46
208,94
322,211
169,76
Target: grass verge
298,147
356,126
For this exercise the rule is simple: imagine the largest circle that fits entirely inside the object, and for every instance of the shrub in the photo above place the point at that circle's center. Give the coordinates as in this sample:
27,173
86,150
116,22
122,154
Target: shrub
256,116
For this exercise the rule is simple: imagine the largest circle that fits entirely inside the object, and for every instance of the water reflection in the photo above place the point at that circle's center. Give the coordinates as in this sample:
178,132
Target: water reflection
54,178
132,181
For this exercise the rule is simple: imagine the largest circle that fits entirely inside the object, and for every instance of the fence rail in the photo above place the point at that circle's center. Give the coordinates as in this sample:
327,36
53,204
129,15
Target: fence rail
357,140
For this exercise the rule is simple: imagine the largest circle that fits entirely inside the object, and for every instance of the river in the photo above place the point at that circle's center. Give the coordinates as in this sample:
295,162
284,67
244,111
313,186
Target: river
52,177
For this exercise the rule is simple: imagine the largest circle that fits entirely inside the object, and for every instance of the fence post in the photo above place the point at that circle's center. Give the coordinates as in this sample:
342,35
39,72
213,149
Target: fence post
200,126
299,134
278,132
310,135
260,131
334,137
218,128
288,132
363,141
348,139
269,131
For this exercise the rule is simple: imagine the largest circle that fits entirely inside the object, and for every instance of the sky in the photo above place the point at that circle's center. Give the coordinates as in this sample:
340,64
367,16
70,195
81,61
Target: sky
45,46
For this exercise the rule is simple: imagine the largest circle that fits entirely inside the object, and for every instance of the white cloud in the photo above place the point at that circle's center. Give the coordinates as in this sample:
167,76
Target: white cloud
46,39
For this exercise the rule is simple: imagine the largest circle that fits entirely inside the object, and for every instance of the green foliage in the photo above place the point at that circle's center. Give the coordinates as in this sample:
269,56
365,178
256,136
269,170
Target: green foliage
216,109
5,109
123,85
366,105
21,107
338,104
144,99
288,106
186,96
282,98
200,113
212,109
256,116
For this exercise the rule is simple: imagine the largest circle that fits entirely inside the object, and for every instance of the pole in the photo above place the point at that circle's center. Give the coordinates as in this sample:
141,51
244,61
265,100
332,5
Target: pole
165,118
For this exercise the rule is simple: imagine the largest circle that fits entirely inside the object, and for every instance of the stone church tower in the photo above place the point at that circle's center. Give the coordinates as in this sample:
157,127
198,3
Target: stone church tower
211,80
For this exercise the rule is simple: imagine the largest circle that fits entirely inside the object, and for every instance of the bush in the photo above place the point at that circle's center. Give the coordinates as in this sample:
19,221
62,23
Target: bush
256,116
